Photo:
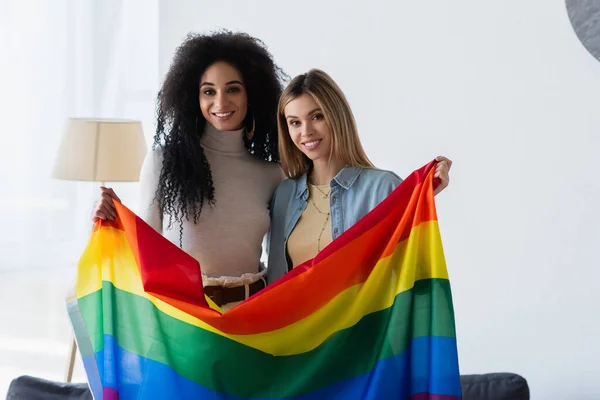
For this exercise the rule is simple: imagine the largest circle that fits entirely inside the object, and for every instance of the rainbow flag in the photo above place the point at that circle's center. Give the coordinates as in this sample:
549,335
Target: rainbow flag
370,317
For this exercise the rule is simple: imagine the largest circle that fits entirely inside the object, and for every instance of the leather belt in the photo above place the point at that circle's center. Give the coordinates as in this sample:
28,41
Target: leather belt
223,295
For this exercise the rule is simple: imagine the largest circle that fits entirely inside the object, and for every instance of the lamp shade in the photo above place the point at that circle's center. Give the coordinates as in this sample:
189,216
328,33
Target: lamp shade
100,150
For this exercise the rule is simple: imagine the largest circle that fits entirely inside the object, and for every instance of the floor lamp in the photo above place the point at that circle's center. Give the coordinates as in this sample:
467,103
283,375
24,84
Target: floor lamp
99,150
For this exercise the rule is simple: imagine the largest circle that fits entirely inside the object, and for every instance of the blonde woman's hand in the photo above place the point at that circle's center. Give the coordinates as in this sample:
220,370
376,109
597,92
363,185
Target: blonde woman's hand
442,171
105,208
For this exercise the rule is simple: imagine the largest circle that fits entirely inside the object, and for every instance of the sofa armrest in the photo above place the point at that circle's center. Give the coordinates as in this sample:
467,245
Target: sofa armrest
496,386
30,388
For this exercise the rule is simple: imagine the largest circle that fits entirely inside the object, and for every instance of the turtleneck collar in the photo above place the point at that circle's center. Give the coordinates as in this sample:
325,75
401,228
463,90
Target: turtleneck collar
231,142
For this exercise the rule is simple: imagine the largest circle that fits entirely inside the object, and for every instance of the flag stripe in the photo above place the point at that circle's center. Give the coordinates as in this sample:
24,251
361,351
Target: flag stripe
142,329
111,394
397,377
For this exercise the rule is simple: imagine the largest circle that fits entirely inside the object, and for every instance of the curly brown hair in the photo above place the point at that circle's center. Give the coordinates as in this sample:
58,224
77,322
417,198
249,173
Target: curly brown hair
185,181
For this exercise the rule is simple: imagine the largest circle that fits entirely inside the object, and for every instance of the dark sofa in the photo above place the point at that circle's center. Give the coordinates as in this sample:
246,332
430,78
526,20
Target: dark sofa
494,387
475,387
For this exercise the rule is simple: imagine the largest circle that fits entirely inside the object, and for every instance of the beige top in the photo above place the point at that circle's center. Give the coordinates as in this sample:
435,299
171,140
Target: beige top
312,232
227,240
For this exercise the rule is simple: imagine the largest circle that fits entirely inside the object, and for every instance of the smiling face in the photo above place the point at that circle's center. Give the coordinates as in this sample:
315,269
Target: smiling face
223,99
316,127
307,127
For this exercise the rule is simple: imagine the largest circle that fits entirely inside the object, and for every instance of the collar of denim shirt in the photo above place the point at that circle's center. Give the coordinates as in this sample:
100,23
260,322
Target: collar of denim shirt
345,178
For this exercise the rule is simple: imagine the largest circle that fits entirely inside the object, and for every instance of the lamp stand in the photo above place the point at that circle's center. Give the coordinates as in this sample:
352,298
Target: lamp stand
71,360
73,347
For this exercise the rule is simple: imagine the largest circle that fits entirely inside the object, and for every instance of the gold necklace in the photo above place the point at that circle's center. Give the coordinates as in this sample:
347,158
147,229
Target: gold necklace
325,195
318,209
327,215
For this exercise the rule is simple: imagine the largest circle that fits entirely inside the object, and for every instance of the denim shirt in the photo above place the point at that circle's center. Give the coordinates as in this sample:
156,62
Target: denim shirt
354,192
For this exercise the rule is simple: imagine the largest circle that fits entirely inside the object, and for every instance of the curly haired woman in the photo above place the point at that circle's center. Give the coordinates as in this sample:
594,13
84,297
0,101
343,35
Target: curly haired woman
207,184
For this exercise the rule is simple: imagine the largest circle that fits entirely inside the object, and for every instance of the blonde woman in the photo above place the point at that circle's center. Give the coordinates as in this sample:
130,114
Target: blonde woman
332,184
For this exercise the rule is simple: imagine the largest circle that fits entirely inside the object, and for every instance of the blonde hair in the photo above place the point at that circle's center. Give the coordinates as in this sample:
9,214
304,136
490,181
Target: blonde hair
345,143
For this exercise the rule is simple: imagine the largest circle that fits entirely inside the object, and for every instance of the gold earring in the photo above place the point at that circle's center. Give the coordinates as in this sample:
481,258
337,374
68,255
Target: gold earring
250,133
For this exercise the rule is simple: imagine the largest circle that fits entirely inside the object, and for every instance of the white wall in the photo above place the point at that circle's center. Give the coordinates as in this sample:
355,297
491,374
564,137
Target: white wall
504,89
58,59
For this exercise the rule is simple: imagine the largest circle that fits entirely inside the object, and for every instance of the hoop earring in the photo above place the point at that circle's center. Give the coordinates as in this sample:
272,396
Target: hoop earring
250,133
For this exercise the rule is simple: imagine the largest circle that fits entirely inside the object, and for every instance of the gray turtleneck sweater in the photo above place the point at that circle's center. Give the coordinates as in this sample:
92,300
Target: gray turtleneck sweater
227,240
